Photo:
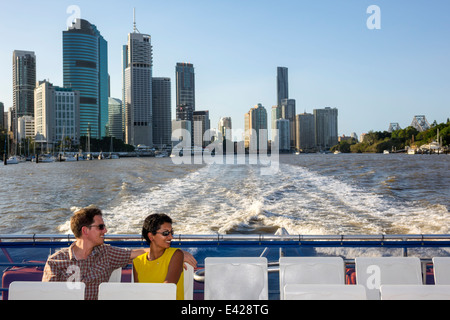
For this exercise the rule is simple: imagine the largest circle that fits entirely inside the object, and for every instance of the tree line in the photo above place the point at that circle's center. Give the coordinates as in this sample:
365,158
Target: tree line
377,141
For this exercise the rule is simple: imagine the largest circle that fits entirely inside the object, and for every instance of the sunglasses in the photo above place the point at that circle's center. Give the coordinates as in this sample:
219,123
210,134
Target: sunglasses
166,233
99,226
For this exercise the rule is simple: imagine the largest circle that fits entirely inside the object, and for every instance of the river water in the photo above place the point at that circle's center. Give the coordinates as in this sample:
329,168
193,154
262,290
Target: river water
309,194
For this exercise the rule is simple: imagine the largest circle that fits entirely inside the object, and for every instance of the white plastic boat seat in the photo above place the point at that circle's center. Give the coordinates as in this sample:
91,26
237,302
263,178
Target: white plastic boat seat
37,290
415,292
372,272
137,291
188,282
236,278
324,292
116,275
441,267
311,270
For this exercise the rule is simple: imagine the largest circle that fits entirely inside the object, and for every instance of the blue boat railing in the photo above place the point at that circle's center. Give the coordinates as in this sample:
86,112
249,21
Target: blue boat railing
281,241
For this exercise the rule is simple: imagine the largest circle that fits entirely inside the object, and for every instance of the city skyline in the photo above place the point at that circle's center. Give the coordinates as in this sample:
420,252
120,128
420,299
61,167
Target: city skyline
373,76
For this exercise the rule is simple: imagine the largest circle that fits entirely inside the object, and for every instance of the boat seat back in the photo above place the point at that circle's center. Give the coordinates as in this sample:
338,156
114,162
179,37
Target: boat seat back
116,275
311,270
324,292
415,292
188,282
236,278
36,290
377,271
441,267
137,291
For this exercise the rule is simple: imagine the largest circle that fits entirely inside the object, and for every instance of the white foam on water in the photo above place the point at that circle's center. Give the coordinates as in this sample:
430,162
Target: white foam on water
237,198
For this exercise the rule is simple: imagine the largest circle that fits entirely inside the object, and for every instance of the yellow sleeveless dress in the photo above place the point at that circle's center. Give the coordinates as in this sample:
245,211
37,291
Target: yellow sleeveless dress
156,271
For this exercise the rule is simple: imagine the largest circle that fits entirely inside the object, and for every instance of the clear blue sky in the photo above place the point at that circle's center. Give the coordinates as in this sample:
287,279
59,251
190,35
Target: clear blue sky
373,77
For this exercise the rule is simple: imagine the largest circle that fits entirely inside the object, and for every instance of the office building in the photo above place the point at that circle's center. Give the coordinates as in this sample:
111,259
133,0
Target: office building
25,128
2,116
288,112
162,112
326,127
185,90
202,136
85,69
138,89
225,127
115,118
305,132
282,134
56,114
275,115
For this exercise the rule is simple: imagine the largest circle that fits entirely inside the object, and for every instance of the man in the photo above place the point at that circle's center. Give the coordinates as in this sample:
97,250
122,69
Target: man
88,259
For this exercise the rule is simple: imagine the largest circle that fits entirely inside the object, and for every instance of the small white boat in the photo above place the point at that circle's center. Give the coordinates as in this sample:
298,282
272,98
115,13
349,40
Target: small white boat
12,160
69,158
46,159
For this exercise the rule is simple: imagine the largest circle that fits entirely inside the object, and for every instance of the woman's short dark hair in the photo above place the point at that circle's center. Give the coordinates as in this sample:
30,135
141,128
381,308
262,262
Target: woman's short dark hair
153,223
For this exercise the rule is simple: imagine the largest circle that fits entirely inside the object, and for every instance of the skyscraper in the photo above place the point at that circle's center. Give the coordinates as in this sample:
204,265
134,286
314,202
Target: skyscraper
85,68
326,127
185,94
201,126
305,132
256,123
115,118
288,112
162,112
138,89
24,80
282,84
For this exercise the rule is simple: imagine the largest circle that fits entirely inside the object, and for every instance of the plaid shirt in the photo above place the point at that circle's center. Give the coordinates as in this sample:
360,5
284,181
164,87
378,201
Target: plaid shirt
97,268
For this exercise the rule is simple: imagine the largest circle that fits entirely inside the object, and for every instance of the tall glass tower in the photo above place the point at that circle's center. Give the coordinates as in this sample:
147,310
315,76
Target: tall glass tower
85,68
282,84
185,86
24,81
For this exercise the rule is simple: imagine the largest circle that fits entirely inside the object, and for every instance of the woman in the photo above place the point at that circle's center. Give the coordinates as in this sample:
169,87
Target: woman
162,264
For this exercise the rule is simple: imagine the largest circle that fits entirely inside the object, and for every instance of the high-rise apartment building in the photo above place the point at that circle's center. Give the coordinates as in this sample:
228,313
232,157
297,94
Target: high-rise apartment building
305,132
162,112
256,123
326,127
85,69
56,114
24,80
138,89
